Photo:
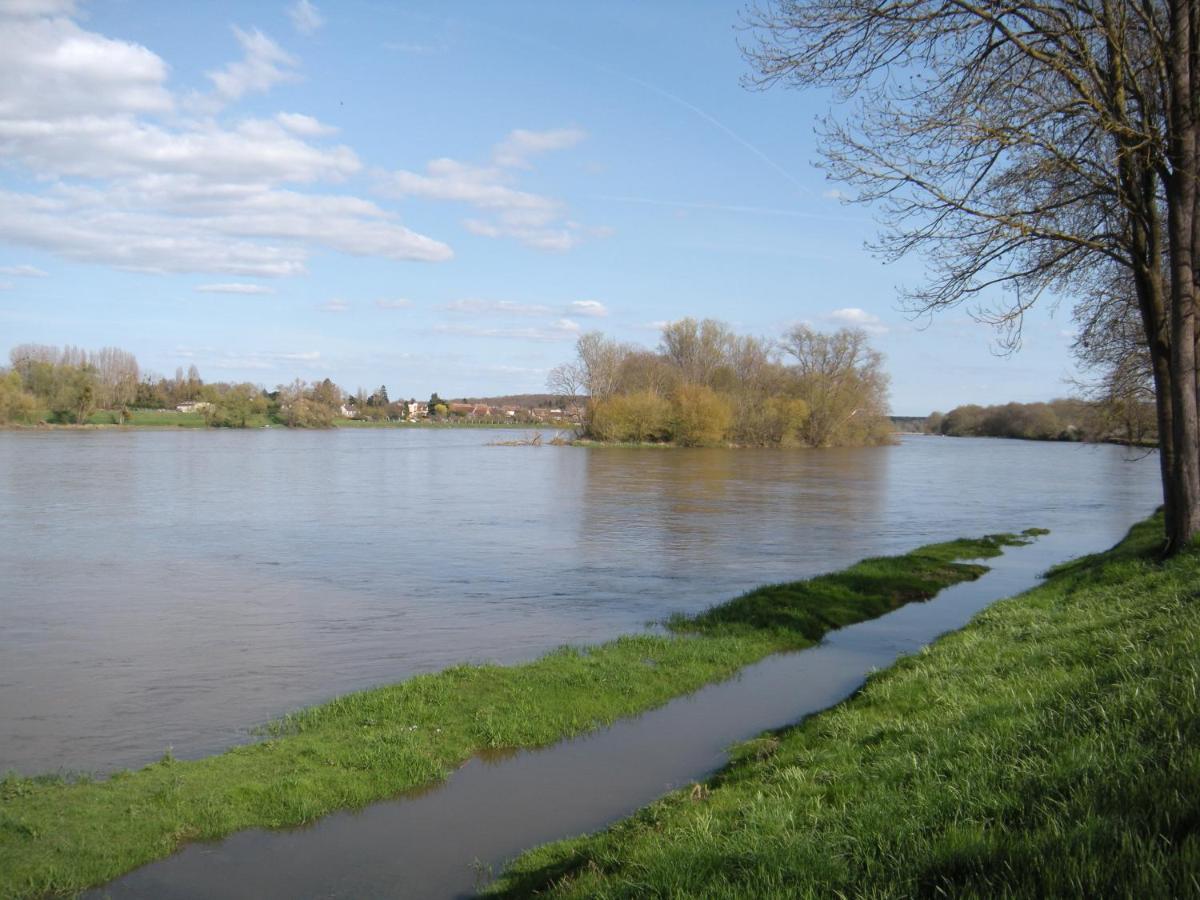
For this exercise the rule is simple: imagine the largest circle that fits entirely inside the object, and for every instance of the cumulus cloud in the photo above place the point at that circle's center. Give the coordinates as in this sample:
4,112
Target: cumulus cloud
305,16
22,271
125,180
516,149
533,219
305,126
235,287
853,317
592,308
396,303
448,179
51,68
335,306
263,65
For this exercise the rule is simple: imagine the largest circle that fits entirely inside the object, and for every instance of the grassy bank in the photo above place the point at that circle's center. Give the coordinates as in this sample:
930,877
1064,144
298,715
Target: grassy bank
57,836
1051,748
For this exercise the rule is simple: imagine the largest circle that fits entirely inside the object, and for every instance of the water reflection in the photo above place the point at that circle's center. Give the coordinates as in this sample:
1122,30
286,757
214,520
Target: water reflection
175,589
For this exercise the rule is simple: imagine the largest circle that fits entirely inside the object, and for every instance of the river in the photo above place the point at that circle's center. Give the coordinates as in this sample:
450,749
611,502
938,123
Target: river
172,589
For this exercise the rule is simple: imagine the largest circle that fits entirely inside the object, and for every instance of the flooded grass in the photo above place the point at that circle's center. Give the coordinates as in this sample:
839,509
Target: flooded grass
59,836
1048,749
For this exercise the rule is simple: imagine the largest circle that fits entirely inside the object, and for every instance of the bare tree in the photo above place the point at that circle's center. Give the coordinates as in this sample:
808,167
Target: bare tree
566,381
116,376
697,349
598,361
1033,146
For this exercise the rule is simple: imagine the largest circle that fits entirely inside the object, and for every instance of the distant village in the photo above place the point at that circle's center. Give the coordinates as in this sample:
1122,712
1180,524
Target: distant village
534,410
520,409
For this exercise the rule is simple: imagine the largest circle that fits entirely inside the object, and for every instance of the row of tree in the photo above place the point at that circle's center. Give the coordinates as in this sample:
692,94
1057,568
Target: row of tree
706,385
1069,419
69,385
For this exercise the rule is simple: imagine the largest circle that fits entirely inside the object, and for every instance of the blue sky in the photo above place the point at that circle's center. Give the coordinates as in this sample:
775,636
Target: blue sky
434,197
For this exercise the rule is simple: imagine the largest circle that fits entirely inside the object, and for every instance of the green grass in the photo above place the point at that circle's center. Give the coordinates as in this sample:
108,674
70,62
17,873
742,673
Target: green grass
147,418
158,418
1050,748
61,835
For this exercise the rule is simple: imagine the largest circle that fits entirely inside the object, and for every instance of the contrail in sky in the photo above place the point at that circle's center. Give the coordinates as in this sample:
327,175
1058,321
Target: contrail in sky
674,98
734,208
712,120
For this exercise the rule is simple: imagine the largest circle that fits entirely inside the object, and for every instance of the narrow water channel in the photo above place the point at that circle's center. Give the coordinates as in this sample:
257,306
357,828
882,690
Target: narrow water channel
443,841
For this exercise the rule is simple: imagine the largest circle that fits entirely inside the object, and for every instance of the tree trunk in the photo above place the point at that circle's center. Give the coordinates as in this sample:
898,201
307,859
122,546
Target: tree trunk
1184,522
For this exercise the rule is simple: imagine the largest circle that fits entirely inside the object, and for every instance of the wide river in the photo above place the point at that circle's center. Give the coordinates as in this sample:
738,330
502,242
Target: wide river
175,589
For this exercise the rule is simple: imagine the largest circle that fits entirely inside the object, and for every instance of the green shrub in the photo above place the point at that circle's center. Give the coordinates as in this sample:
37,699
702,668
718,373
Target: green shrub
639,417
700,417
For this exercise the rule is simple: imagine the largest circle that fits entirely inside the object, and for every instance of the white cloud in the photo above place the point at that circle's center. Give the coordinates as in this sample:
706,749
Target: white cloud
305,126
500,307
533,219
209,358
53,68
95,147
560,330
6,286
22,271
235,232
854,317
126,181
448,179
397,303
136,240
305,17
833,194
234,288
32,8
516,149
593,308
263,65
335,305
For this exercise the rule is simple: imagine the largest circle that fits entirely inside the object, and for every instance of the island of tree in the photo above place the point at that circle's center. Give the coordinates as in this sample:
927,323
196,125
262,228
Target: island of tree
707,386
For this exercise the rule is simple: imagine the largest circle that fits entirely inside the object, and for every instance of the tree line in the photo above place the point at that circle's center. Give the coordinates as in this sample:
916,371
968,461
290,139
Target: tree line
706,385
1065,419
68,385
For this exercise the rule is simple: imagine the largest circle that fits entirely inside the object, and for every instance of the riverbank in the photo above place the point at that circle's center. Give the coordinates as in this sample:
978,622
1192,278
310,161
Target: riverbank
172,419
1047,749
61,835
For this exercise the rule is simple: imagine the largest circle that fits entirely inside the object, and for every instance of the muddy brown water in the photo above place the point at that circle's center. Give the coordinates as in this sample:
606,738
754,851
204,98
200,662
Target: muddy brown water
445,841
167,589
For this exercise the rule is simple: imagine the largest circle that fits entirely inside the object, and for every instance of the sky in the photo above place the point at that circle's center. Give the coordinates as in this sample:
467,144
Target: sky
437,197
